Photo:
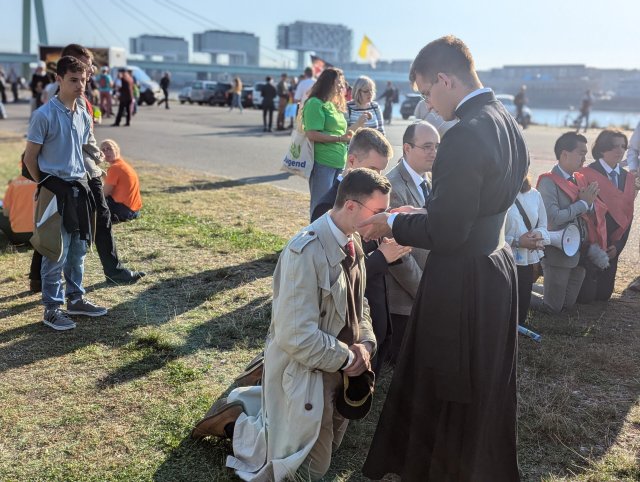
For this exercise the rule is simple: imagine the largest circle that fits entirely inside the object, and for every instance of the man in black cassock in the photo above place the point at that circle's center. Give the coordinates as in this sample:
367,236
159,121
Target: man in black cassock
450,414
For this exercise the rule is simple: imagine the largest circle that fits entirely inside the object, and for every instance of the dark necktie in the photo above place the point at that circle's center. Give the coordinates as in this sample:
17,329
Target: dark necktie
572,180
350,249
613,175
425,190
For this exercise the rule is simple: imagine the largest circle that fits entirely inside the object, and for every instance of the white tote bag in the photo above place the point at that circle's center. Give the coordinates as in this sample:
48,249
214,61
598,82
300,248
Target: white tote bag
298,159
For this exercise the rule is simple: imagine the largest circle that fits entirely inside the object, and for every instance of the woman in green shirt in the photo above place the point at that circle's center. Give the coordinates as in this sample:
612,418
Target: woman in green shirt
325,124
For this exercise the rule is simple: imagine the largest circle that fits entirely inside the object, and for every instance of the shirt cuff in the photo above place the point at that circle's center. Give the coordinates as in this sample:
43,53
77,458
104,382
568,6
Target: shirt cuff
350,360
391,219
586,204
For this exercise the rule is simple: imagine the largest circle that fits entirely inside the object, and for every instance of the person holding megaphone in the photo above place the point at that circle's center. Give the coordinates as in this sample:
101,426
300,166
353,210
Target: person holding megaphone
567,197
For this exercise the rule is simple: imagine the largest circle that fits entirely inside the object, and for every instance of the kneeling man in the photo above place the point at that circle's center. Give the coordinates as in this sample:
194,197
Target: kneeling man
320,331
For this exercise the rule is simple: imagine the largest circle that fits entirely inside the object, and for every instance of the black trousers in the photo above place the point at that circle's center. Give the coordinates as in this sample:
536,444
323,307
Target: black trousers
124,107
120,212
598,284
166,98
14,238
264,116
399,325
525,283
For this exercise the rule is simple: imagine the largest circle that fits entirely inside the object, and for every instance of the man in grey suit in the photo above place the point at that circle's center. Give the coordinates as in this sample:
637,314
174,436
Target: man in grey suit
410,187
563,275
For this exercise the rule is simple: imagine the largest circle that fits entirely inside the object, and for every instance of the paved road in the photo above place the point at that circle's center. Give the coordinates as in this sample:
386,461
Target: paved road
231,144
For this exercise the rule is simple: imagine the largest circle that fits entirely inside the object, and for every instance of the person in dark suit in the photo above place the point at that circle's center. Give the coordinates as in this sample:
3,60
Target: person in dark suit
617,192
268,105
410,186
370,149
450,413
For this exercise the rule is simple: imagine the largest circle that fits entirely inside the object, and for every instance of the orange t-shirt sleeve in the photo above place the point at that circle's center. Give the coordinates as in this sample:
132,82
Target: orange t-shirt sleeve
126,186
19,201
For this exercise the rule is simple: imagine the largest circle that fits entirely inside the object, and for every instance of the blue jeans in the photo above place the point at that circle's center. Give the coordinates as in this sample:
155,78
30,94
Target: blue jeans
71,263
236,101
320,181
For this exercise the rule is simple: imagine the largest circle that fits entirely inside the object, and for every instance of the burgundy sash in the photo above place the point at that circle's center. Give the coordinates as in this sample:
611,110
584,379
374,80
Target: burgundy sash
595,220
619,203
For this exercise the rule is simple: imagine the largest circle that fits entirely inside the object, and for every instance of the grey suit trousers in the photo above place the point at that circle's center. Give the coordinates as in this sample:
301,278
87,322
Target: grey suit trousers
561,286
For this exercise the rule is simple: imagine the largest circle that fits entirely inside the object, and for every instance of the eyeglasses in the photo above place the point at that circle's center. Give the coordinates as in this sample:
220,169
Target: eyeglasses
367,207
426,147
365,91
427,95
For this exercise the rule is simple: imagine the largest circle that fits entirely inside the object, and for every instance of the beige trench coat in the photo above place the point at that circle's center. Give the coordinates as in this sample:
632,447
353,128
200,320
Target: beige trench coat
282,418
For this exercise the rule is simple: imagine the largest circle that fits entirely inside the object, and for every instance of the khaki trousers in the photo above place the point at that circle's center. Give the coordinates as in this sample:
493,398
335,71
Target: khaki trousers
332,431
561,286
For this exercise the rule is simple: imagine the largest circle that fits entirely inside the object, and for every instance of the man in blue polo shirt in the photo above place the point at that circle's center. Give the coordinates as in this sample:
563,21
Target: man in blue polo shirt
54,159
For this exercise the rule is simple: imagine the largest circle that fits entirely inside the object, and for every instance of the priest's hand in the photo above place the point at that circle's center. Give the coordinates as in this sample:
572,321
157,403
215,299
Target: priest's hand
362,361
375,227
408,210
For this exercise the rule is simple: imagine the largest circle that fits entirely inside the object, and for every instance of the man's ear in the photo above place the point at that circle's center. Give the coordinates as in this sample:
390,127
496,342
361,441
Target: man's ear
351,160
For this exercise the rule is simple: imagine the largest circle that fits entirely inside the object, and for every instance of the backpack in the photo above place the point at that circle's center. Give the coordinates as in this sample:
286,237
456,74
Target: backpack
396,96
103,81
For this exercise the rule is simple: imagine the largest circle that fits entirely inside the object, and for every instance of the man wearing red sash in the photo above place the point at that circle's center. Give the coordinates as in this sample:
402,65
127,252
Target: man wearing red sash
567,196
617,192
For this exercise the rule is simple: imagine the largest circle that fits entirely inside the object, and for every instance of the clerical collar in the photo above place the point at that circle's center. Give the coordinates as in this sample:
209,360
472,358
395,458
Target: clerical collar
341,238
607,167
482,90
417,178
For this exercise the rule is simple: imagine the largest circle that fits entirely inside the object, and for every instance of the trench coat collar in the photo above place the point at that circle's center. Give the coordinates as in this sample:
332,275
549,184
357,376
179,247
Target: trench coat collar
332,250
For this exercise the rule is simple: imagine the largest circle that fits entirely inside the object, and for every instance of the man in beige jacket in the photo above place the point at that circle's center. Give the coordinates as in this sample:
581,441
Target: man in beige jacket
320,329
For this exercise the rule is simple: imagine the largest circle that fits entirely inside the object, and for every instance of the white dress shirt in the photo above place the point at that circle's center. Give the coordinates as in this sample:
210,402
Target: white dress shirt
608,170
417,179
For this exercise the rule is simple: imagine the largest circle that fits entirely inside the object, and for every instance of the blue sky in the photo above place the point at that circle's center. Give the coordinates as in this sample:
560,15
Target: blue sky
599,34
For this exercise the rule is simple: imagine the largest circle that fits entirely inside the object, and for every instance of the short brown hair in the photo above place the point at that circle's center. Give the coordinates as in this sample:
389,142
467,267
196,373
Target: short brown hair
367,139
604,142
69,64
76,50
447,55
359,185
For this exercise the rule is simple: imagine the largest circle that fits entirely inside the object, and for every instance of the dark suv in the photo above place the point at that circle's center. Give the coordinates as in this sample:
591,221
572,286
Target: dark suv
216,94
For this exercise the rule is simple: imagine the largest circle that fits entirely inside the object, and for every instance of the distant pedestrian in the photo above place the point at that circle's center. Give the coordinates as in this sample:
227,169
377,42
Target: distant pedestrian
3,87
282,89
304,86
125,97
14,81
39,81
165,81
389,95
268,105
236,94
364,91
105,87
585,110
520,100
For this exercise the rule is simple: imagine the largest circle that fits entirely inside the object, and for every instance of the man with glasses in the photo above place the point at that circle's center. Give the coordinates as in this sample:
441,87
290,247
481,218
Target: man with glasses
369,148
450,413
410,186
320,331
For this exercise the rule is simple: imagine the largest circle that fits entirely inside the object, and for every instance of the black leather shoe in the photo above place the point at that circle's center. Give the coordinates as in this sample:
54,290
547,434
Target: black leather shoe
125,277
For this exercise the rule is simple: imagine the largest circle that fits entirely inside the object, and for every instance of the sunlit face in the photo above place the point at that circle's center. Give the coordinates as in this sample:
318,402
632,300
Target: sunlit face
361,210
72,84
572,161
371,160
421,153
110,154
436,94
614,155
366,95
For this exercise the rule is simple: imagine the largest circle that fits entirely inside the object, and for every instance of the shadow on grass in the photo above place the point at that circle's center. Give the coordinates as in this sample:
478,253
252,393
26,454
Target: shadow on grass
156,305
222,331
201,185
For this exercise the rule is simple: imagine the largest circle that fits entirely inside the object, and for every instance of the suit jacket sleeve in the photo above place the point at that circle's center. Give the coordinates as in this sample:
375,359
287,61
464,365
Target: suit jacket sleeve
375,263
407,274
453,205
557,216
296,315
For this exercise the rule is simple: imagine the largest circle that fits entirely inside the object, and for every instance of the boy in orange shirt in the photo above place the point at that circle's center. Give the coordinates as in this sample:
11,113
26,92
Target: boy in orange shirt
16,217
122,187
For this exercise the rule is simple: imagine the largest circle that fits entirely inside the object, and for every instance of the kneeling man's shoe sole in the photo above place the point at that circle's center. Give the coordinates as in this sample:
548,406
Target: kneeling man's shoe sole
252,374
217,418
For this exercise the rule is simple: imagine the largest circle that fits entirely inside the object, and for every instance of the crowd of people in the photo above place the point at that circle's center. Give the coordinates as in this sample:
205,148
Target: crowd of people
428,269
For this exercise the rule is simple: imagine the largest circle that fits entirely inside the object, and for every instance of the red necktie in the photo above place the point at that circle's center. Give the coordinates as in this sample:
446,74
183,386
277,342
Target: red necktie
350,249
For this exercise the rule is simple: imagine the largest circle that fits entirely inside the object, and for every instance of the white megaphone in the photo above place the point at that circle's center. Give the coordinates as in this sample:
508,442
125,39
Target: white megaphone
567,239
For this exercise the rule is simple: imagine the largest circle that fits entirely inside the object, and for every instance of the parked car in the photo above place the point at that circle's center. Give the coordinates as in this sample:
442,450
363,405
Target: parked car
247,96
257,94
507,101
150,90
408,106
199,90
185,95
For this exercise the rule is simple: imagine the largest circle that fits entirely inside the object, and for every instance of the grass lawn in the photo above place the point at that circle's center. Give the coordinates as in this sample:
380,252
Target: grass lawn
116,398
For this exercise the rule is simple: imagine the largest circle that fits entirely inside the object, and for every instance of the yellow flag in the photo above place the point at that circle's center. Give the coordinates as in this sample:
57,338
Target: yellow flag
368,51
